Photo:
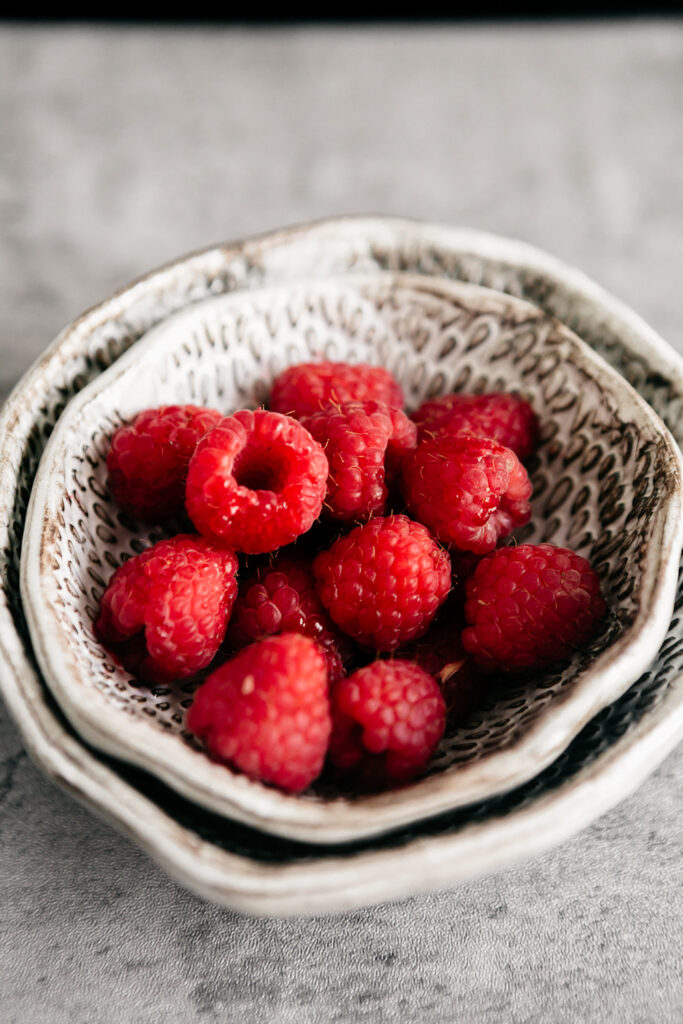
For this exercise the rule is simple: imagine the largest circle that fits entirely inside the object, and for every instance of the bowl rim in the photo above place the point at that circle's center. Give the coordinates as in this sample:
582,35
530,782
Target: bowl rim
612,775
195,776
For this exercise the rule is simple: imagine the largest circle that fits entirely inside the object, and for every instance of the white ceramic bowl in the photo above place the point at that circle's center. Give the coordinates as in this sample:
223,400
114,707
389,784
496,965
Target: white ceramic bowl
608,759
607,483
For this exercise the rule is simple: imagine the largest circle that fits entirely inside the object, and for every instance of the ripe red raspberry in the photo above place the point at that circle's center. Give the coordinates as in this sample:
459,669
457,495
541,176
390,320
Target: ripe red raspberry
364,443
504,417
165,612
530,606
148,459
256,481
308,387
387,721
383,582
267,712
469,491
280,598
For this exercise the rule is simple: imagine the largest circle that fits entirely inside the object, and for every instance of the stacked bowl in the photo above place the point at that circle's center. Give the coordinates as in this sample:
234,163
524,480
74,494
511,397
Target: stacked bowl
444,310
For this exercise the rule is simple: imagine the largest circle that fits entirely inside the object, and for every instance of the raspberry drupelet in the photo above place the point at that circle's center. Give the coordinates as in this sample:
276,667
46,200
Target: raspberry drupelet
365,443
384,581
309,387
148,459
502,416
165,611
256,481
267,713
530,606
470,491
280,598
387,721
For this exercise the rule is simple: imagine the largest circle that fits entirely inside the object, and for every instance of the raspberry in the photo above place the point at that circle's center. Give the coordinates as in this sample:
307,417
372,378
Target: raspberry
148,459
267,712
308,387
530,606
470,491
256,481
358,437
164,612
505,418
387,721
383,582
281,598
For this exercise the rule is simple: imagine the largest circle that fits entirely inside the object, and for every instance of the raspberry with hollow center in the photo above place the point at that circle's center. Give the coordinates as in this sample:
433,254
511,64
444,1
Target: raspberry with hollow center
387,721
256,481
470,491
530,606
502,416
267,712
383,582
281,598
165,612
364,443
148,459
309,387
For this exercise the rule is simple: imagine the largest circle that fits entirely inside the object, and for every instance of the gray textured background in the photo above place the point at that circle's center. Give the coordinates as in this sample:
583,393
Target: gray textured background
120,149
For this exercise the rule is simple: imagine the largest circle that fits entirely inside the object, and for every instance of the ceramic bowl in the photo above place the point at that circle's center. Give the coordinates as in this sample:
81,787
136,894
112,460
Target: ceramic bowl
229,864
607,483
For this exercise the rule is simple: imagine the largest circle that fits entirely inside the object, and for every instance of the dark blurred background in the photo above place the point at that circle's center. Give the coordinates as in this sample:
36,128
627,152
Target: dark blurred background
352,10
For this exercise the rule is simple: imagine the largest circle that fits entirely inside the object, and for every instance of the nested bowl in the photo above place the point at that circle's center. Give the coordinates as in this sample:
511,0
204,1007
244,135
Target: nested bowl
244,868
607,482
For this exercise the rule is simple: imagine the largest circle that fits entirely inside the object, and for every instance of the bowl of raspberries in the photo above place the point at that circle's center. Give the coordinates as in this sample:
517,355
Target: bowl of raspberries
336,555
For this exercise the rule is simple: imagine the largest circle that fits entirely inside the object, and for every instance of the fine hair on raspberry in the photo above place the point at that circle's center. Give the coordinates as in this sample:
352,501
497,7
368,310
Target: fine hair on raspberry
470,491
530,606
499,415
280,597
164,613
365,443
383,582
387,721
256,481
308,387
266,712
148,459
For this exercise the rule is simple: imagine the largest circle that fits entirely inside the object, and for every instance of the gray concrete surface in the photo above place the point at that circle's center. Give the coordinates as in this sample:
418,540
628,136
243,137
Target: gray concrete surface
120,149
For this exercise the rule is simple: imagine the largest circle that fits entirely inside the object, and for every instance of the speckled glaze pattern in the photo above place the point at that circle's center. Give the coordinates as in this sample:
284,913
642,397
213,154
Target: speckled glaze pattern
605,762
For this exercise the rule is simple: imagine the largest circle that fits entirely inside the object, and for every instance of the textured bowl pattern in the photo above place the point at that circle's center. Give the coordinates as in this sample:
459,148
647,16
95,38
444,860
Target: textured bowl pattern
244,868
606,483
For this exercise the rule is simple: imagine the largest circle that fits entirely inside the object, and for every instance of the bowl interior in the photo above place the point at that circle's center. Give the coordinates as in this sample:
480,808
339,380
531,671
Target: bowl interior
603,473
